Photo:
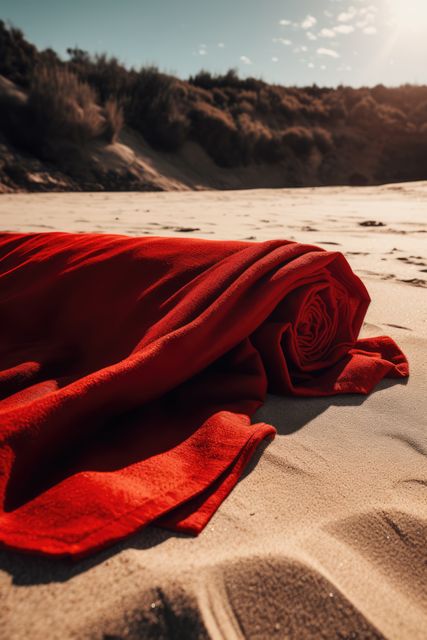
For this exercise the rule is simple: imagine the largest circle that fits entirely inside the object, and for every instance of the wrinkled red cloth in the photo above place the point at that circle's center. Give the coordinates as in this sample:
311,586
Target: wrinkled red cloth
130,367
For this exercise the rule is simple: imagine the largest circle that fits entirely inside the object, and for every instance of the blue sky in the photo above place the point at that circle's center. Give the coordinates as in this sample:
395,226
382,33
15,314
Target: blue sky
328,42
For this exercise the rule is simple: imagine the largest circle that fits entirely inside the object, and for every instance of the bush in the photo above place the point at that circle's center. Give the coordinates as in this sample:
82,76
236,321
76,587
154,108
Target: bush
365,112
63,108
255,138
299,139
156,109
419,114
106,75
323,139
17,56
358,179
229,80
271,149
289,107
113,114
216,131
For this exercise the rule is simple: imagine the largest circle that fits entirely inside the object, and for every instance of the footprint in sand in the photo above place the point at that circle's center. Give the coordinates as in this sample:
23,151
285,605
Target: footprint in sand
397,326
393,542
413,260
371,223
357,253
290,590
416,282
408,441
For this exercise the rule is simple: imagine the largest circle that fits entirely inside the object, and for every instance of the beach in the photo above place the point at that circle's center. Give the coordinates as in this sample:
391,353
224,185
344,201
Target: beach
325,536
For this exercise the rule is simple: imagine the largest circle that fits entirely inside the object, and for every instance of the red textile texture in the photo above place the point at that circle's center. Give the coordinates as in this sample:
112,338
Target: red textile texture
130,367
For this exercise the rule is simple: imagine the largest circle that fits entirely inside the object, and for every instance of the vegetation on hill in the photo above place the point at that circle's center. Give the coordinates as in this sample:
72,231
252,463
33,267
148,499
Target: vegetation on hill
317,135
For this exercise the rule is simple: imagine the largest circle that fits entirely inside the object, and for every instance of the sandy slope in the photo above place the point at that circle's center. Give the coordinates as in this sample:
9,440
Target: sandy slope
326,535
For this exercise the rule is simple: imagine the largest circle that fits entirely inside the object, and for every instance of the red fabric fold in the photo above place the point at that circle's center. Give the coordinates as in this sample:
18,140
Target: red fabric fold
130,367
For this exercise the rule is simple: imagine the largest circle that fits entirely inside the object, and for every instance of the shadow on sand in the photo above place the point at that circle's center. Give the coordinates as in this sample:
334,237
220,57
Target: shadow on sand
287,414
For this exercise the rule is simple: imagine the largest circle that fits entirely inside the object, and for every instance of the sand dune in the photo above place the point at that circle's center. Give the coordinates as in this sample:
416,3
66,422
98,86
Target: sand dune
326,534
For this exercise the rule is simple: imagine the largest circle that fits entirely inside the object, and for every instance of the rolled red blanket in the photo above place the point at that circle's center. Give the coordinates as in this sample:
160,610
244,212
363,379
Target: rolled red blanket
130,367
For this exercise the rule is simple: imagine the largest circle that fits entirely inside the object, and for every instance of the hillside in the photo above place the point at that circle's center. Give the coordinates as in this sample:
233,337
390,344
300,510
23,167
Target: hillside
89,123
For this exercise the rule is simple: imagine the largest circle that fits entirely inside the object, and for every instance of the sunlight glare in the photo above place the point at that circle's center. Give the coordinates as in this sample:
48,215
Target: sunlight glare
409,15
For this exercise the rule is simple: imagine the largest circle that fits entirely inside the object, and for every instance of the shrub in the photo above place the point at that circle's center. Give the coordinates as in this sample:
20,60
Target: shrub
156,109
113,114
255,138
323,139
358,179
216,131
271,149
365,112
336,109
105,74
289,107
17,56
63,108
299,139
220,98
12,110
230,79
419,114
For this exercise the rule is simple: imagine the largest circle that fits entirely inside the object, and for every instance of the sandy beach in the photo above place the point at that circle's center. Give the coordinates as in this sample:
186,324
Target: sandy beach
325,536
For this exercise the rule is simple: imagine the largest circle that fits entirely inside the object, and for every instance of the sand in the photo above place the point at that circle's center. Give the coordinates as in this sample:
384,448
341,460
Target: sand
326,534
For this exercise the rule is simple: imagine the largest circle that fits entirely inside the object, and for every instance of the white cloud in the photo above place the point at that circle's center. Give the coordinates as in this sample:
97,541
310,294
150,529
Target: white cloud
310,65
274,59
284,41
327,33
344,28
285,23
370,31
347,16
331,53
245,60
311,35
328,14
202,50
221,45
323,67
370,9
367,15
308,22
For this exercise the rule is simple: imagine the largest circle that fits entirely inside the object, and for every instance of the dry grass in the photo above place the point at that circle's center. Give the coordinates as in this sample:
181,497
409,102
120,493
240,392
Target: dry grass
63,107
114,120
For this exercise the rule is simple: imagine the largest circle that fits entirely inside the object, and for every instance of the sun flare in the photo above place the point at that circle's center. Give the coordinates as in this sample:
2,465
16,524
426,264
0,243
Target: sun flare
409,15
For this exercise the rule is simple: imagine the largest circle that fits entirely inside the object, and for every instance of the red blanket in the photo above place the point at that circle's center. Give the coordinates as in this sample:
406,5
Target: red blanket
130,367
